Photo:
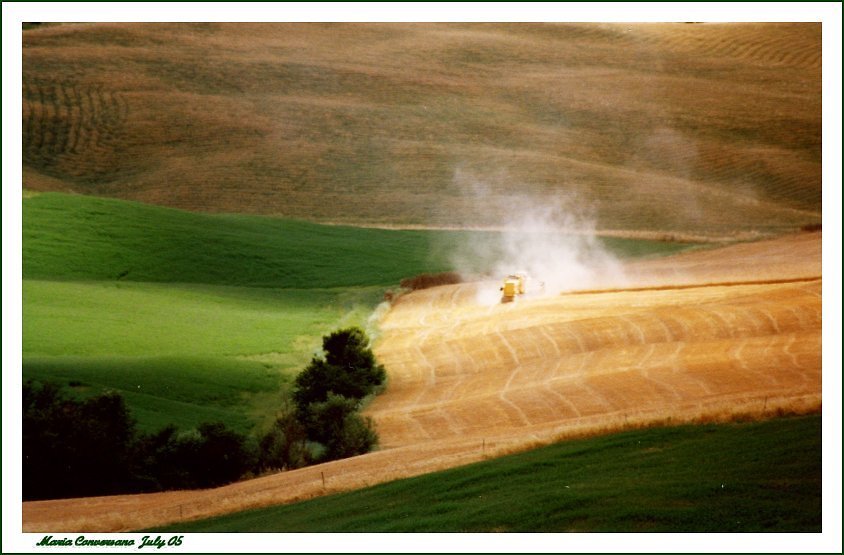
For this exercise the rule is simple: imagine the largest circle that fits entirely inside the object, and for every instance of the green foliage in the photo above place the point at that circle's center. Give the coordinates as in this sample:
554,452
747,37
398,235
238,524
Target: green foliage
327,394
355,436
82,448
746,477
349,348
349,369
284,445
216,456
336,424
74,237
324,420
74,448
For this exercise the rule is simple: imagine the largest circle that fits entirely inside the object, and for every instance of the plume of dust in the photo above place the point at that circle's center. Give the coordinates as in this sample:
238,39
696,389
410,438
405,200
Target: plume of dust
551,238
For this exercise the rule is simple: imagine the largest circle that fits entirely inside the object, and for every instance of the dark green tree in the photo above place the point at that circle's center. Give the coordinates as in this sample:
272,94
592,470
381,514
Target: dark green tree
225,454
284,445
337,425
348,369
104,436
74,448
77,448
327,394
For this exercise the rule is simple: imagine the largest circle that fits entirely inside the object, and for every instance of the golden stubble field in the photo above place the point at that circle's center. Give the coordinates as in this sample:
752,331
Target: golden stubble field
400,123
702,336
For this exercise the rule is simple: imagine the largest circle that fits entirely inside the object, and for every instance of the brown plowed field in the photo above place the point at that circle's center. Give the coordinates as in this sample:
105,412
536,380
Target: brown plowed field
397,123
703,336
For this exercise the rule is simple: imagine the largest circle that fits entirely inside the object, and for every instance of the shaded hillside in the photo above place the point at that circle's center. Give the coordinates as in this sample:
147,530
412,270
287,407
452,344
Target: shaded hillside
78,237
704,128
75,237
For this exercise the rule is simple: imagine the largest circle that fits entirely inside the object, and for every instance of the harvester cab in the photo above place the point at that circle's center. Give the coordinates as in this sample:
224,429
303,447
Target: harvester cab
514,285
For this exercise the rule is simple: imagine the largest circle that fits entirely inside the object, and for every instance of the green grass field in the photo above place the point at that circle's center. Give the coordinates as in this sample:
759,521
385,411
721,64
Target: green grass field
161,390
137,319
75,237
743,477
181,353
197,317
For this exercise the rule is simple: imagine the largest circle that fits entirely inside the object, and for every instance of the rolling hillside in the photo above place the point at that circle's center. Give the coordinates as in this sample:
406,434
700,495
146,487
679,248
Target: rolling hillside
153,155
712,128
703,336
200,317
653,480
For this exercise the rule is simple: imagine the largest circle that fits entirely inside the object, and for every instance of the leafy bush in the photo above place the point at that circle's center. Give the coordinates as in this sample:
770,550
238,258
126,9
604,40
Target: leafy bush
348,369
425,281
81,448
328,392
336,424
284,445
73,448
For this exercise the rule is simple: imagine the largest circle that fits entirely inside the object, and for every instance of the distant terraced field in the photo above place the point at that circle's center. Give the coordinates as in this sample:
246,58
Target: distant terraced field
685,128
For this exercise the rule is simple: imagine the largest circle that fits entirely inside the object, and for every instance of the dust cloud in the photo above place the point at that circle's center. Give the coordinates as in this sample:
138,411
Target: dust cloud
550,237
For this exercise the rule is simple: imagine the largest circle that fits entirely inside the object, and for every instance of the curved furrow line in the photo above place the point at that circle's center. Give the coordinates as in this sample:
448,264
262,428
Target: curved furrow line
431,376
787,350
506,344
547,336
448,418
563,399
660,384
75,117
768,317
776,376
680,369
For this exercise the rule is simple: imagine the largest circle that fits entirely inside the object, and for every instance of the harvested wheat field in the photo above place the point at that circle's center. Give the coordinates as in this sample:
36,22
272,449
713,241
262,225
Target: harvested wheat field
722,122
702,336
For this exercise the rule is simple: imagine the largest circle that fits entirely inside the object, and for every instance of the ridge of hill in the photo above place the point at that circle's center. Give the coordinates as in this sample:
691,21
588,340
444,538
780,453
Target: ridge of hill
706,129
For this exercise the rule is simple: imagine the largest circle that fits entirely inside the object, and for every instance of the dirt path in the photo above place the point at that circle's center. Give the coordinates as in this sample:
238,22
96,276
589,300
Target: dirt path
701,336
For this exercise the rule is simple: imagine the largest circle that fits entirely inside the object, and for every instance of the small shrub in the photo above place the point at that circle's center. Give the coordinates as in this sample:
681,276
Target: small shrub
336,424
284,445
425,281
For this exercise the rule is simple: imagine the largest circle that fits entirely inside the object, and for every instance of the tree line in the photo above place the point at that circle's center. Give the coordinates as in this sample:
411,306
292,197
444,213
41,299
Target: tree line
75,448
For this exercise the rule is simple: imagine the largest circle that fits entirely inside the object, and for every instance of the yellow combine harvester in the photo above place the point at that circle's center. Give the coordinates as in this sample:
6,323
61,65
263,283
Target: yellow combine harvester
514,284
